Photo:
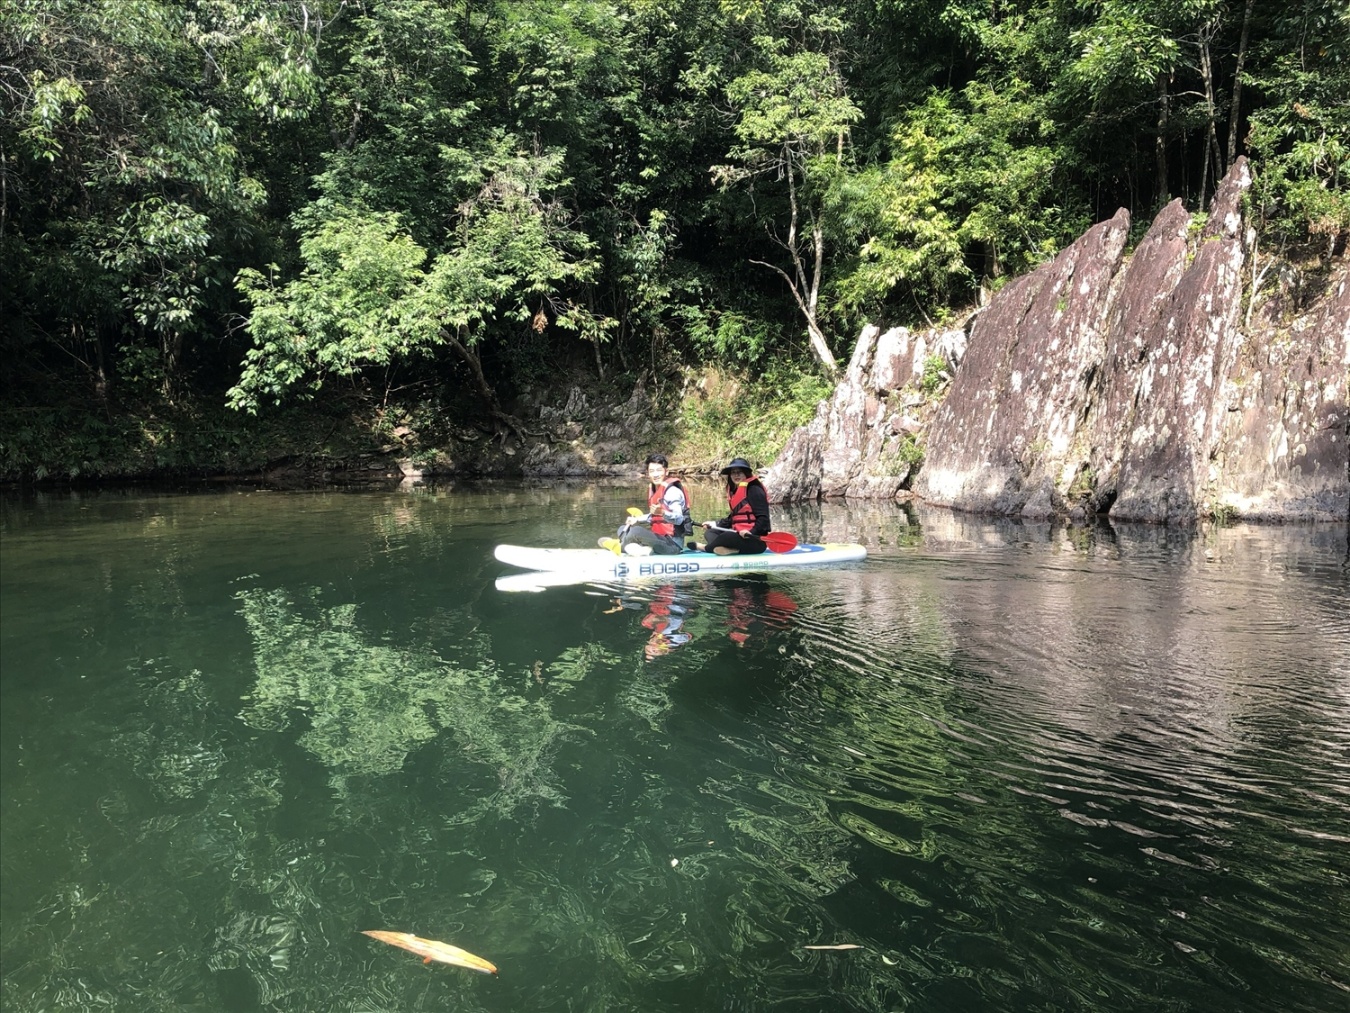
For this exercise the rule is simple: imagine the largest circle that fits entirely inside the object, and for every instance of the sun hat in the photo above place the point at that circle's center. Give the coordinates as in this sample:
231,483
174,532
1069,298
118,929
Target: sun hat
741,463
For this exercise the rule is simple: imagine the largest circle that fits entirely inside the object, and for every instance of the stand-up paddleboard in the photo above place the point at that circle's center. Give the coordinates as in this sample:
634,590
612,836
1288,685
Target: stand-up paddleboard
554,567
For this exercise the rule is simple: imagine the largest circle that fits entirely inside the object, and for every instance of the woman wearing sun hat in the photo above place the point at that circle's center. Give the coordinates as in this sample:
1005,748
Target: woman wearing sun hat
740,530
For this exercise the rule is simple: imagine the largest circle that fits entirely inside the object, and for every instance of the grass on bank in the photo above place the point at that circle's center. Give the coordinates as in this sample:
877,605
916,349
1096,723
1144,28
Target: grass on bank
724,416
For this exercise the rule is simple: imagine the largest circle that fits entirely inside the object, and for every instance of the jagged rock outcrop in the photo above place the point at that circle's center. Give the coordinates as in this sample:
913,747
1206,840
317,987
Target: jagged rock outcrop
1282,446
1100,383
1181,390
861,443
1008,429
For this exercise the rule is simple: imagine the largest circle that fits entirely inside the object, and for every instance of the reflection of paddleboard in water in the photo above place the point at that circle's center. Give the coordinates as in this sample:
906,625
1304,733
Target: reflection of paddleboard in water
553,567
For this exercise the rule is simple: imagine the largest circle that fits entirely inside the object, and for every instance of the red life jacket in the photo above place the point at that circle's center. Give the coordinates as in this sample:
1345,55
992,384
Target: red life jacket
742,517
661,526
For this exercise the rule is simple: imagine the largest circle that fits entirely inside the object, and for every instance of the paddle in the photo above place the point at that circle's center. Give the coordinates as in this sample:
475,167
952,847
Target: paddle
774,541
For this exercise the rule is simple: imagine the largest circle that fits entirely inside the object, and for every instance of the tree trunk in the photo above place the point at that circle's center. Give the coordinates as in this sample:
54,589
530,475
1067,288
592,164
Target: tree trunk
1212,153
817,337
1160,142
805,291
1236,105
476,368
818,345
171,347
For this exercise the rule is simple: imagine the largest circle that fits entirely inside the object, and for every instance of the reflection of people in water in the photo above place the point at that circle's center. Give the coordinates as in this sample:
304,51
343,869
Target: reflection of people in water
754,603
753,609
665,618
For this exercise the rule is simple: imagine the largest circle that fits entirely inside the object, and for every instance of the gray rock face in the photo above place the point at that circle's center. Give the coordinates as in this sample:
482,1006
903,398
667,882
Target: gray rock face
1006,440
1282,449
1141,300
862,442
1104,384
1180,399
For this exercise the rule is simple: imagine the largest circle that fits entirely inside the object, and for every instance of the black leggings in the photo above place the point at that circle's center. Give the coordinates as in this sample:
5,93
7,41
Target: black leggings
749,546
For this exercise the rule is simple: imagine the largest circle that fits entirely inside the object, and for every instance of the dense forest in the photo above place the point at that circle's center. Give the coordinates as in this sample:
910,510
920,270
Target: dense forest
224,215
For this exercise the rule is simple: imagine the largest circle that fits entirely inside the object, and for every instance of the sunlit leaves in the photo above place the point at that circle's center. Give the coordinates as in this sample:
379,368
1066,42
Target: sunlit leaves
50,102
1302,178
368,296
515,243
603,170
129,172
356,304
980,172
1126,47
160,253
797,103
792,109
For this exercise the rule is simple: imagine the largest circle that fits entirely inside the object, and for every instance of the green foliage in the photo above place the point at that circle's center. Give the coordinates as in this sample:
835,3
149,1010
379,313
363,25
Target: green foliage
1123,52
901,455
912,243
142,175
151,435
794,107
366,297
935,374
725,335
259,198
356,304
50,103
1301,191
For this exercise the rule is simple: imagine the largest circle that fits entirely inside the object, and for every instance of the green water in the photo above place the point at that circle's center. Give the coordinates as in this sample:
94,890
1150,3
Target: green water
1019,768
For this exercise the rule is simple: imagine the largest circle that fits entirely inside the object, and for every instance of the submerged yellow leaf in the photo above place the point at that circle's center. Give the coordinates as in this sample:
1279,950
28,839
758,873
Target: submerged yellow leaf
431,949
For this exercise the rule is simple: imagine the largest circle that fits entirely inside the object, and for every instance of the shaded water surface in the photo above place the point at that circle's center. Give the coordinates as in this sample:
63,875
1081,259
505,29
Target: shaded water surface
1016,768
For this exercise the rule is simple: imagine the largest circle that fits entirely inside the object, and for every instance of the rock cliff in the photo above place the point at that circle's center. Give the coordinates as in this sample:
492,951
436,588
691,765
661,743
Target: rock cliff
1152,387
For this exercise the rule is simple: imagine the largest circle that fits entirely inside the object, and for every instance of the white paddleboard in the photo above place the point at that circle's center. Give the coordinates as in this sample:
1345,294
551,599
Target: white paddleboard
554,567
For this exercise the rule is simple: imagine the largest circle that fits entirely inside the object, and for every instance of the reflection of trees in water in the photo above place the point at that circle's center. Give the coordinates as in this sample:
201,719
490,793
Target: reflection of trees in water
370,705
223,864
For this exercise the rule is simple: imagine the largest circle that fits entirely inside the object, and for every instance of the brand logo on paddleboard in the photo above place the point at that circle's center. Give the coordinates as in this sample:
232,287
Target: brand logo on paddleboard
658,569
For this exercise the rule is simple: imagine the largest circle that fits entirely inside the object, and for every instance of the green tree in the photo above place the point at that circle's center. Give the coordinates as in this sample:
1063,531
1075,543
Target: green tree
125,184
370,296
1300,127
793,120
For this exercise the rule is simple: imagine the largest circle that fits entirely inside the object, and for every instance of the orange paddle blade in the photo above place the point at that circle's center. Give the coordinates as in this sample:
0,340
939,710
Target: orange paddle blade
431,949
